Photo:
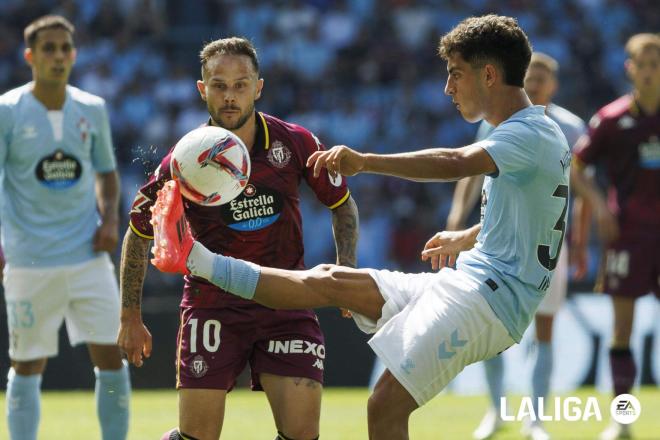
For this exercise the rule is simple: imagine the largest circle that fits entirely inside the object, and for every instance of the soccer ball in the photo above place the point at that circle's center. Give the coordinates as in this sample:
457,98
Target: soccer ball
211,164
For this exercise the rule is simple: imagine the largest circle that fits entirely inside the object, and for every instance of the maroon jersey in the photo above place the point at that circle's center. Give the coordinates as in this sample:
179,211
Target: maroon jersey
627,142
263,224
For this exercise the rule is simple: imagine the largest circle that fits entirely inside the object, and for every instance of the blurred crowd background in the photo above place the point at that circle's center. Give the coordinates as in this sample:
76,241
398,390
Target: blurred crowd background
363,73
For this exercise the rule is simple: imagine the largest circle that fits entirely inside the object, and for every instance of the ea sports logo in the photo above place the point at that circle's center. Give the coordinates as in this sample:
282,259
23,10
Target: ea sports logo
625,409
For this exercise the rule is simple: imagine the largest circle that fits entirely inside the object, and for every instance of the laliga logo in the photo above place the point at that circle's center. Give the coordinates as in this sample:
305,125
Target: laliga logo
215,156
571,409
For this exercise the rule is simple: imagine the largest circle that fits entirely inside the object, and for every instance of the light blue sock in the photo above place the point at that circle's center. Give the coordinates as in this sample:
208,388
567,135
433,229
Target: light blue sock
113,393
495,376
541,374
235,276
23,405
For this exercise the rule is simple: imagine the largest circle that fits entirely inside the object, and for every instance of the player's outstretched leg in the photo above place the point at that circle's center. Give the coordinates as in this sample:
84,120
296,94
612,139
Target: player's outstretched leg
323,286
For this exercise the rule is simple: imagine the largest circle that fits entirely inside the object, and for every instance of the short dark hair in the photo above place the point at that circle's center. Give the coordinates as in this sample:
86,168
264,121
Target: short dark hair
490,38
229,46
46,22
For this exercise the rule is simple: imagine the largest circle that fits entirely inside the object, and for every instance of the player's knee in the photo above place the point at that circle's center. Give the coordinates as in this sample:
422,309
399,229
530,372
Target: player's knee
26,368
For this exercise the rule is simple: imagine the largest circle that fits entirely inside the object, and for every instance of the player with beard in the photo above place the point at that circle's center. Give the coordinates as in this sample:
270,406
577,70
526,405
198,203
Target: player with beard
220,333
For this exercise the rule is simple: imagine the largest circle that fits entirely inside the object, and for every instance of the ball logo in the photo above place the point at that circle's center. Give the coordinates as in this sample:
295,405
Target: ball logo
625,409
192,192
215,156
278,154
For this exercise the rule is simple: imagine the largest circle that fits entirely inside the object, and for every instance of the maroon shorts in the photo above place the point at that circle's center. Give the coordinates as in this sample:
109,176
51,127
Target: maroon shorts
632,267
214,345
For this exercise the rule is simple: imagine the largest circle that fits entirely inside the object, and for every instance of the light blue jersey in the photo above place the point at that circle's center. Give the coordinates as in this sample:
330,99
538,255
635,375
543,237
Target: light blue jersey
524,207
48,166
571,124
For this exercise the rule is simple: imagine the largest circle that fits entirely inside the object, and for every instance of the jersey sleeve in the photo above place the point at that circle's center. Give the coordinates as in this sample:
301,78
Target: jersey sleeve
332,192
103,156
592,145
574,132
146,197
513,148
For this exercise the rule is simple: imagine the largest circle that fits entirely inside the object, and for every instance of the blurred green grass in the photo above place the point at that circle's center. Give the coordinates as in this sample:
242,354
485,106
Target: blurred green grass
72,416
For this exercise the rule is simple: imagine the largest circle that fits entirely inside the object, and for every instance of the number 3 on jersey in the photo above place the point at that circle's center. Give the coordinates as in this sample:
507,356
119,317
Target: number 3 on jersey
210,335
543,250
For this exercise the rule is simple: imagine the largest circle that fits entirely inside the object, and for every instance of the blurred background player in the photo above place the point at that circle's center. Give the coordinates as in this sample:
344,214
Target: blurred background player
624,138
58,166
219,333
541,85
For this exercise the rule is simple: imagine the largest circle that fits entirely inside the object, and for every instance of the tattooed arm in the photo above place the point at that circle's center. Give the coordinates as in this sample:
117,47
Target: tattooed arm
345,228
134,337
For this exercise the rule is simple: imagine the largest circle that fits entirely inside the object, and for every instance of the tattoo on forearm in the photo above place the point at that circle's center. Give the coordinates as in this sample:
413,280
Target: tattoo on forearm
345,226
132,270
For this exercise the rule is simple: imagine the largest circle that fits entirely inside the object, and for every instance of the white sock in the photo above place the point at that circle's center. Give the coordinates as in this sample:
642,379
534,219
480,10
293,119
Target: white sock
200,261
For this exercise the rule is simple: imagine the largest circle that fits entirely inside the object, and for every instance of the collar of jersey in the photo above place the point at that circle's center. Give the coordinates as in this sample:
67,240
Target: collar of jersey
260,117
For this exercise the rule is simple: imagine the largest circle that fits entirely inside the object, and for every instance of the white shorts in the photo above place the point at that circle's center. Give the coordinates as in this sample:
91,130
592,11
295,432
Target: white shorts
556,293
38,299
433,325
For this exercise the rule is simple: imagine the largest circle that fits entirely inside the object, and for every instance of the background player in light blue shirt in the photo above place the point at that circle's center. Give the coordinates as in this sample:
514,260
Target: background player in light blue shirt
541,85
56,166
429,326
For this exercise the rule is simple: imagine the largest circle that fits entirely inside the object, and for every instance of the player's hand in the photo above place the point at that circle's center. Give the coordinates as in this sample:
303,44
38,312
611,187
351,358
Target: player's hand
443,248
338,160
607,224
134,339
106,236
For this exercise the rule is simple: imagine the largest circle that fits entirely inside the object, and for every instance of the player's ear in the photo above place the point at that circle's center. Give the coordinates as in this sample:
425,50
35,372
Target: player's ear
27,55
201,87
490,74
630,66
260,86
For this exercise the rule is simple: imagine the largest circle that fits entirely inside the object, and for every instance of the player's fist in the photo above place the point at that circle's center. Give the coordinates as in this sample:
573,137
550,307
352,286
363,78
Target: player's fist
338,160
134,339
607,224
106,237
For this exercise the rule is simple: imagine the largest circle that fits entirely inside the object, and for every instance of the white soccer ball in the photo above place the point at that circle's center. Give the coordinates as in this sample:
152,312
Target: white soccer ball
211,164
